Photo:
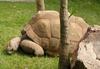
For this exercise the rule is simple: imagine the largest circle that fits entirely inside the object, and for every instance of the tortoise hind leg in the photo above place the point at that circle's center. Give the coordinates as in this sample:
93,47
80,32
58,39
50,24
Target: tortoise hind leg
30,47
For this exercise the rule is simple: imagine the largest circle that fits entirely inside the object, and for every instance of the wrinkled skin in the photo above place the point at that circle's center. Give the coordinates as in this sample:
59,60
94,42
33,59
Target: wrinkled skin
42,33
13,45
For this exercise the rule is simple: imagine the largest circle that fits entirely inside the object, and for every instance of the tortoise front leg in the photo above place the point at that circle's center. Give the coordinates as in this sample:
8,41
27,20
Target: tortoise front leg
30,47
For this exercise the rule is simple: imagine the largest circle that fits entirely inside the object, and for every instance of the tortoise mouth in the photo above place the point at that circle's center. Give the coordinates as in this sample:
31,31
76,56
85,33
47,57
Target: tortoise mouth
10,51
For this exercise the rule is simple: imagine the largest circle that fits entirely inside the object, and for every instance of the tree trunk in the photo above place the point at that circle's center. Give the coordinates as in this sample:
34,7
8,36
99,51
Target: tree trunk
64,59
40,5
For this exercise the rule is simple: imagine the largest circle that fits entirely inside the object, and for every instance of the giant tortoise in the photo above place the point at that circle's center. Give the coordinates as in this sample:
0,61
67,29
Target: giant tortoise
41,35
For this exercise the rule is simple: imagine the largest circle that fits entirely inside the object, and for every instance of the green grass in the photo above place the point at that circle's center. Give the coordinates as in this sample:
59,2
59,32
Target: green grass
89,10
13,16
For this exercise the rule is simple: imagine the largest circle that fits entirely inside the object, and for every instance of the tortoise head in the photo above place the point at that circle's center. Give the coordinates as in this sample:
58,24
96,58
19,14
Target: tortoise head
10,49
13,45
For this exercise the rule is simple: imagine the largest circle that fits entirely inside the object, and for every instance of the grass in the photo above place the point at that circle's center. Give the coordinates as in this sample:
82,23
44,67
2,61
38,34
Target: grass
13,16
89,10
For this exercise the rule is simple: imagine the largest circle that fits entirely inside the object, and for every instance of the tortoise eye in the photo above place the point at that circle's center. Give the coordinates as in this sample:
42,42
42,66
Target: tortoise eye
11,50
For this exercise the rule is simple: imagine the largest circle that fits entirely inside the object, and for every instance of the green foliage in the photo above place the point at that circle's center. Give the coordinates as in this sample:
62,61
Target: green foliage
13,16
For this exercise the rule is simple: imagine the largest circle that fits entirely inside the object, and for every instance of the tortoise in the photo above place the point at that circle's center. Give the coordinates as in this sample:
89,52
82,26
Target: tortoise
41,35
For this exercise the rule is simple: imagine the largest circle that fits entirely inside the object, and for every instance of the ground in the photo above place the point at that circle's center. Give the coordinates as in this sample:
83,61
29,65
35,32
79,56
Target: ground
13,16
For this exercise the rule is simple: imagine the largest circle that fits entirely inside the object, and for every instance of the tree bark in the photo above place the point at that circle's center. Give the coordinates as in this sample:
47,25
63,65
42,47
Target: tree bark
64,59
40,5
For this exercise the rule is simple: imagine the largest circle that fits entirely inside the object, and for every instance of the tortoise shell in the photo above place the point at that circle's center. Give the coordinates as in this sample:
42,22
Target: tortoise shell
44,29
